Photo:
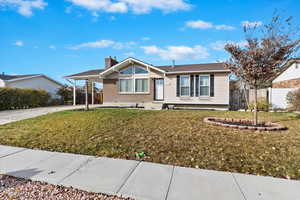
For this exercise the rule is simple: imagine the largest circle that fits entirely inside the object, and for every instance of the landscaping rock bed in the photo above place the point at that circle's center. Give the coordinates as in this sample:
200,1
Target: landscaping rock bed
244,124
18,188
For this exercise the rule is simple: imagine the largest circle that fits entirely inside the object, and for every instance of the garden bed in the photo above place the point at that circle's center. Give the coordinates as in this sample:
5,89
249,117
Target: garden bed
244,124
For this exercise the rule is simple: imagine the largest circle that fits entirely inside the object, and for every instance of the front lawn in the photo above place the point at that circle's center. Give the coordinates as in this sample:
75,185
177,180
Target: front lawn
170,137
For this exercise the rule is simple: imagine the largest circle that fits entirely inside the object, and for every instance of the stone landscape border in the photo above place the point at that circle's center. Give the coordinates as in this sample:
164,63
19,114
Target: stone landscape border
244,124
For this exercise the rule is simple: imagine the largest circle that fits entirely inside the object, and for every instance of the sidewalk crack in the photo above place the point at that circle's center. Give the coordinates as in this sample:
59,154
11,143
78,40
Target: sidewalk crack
77,169
170,183
239,186
131,172
13,153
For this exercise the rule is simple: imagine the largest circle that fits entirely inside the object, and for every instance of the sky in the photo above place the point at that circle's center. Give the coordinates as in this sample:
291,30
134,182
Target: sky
62,37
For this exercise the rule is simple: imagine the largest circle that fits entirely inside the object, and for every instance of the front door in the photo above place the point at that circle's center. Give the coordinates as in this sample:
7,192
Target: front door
159,89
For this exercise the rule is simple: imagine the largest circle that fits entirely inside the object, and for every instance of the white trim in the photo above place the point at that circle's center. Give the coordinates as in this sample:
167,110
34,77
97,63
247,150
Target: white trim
185,86
131,61
206,75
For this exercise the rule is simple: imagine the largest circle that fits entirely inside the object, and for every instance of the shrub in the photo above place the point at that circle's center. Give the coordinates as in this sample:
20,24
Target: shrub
65,93
262,105
293,99
16,98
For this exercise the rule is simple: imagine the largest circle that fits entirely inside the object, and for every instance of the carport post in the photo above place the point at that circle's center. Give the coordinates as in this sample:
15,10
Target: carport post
92,93
86,95
74,93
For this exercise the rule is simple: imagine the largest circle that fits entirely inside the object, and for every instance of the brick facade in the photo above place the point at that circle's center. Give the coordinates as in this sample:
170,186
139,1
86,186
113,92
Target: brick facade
293,83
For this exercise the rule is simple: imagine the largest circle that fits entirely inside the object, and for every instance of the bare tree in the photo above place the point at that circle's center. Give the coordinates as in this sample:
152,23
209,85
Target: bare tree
267,50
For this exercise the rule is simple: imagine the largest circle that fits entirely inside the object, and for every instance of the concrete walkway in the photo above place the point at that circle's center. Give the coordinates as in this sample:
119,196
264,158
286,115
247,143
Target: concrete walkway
141,180
8,116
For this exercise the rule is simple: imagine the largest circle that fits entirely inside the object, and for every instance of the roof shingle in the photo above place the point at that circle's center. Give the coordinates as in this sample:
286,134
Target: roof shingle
193,67
10,77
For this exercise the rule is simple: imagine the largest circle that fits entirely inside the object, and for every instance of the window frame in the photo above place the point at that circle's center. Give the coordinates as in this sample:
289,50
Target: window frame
189,85
148,89
204,85
130,92
133,77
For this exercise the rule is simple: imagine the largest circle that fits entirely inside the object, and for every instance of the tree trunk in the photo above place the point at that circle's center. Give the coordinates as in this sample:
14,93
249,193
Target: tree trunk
86,96
255,117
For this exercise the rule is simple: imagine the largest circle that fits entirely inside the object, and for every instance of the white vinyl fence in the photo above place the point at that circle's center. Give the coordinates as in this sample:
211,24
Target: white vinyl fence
277,97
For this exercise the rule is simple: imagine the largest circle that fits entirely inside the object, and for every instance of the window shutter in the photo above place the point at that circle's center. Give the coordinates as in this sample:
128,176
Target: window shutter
197,86
178,86
212,85
192,85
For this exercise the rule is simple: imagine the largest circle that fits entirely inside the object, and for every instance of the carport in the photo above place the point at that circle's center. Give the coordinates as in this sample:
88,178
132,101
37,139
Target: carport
90,77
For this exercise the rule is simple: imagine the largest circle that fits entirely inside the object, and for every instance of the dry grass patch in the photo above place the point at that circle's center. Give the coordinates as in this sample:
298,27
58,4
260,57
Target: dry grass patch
170,137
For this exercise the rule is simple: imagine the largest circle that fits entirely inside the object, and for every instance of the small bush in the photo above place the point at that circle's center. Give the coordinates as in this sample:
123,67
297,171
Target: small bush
262,105
16,98
293,99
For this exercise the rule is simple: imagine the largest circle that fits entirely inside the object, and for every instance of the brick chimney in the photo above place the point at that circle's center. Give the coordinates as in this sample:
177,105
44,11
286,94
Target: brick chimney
109,62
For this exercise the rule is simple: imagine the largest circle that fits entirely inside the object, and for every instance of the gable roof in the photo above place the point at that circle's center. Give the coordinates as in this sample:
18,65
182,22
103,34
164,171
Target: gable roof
209,67
127,61
286,66
89,73
11,77
14,78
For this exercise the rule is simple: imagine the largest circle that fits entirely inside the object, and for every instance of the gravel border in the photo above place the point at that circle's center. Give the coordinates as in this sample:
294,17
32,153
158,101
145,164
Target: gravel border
18,188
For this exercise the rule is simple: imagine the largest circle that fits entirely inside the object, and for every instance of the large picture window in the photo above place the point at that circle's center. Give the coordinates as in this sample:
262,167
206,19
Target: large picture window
185,85
204,85
134,79
126,85
141,84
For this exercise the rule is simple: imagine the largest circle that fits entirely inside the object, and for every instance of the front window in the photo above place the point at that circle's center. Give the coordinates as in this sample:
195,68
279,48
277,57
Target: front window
127,71
141,84
126,85
204,85
140,70
184,85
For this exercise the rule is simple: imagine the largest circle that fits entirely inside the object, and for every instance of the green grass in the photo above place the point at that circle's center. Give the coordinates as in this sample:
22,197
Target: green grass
170,137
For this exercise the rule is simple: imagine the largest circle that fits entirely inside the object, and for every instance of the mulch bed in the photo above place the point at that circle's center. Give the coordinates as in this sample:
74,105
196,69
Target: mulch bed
244,124
17,188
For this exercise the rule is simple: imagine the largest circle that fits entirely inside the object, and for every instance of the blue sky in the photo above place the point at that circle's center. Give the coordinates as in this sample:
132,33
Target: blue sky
61,37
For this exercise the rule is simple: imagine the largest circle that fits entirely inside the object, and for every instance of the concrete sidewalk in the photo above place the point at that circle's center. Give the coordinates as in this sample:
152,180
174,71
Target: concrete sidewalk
141,180
8,116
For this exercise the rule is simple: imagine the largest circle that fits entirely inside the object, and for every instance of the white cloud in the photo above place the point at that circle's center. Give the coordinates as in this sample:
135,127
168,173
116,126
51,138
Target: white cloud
52,47
220,44
104,44
177,52
24,7
19,43
199,24
251,24
135,6
224,27
145,38
129,54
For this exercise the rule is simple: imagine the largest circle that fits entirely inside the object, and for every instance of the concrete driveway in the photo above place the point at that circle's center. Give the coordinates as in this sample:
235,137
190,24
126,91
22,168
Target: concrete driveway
9,116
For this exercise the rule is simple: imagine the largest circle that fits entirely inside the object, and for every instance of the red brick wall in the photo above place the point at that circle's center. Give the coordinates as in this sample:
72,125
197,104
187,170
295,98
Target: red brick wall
293,83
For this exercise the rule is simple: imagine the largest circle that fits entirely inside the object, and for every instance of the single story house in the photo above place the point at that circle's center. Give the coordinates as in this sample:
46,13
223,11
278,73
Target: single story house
33,81
288,80
135,82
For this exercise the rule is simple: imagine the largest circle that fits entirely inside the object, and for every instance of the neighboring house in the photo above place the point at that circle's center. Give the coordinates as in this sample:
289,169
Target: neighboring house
134,82
33,81
288,80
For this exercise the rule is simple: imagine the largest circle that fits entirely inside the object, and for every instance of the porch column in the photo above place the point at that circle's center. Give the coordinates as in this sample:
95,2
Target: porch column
92,93
74,93
86,95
